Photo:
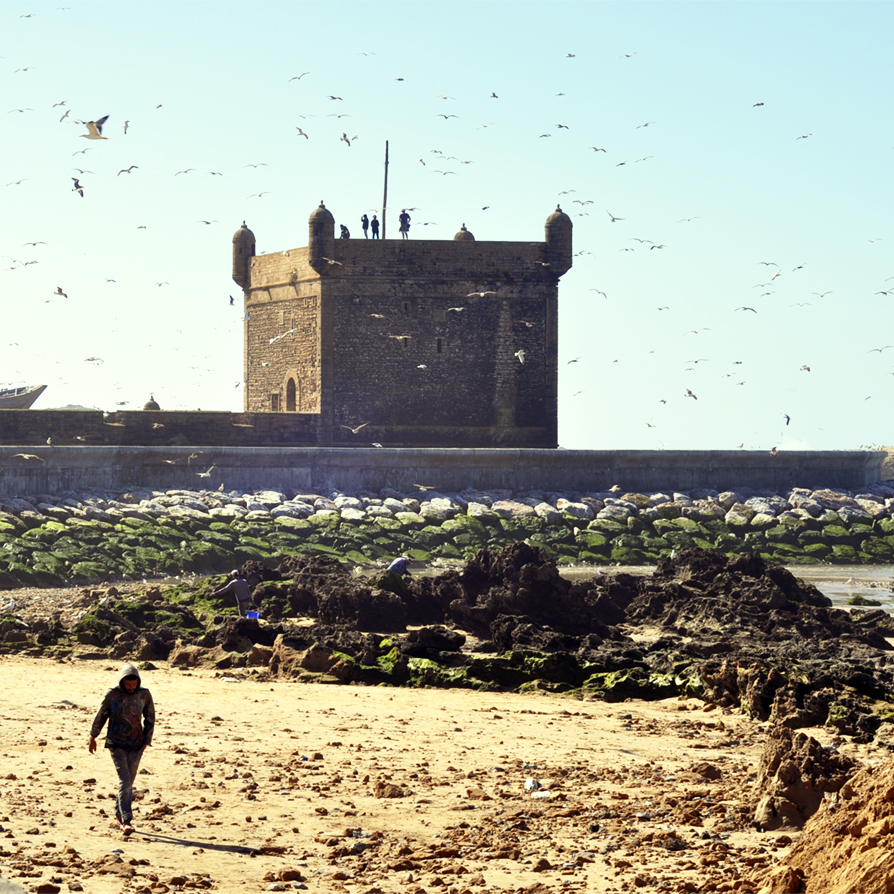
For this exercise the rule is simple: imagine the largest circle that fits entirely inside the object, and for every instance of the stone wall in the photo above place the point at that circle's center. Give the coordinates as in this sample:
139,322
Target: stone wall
480,376
359,469
158,428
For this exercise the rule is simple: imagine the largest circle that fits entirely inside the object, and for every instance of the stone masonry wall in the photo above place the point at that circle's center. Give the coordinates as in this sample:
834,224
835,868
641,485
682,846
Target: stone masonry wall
454,377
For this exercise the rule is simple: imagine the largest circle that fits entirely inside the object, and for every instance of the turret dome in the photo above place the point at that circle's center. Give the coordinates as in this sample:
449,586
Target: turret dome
463,235
321,215
558,241
244,235
321,239
558,217
243,252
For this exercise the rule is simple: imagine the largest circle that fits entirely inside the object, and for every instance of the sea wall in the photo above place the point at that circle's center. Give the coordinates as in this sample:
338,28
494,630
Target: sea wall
82,537
49,470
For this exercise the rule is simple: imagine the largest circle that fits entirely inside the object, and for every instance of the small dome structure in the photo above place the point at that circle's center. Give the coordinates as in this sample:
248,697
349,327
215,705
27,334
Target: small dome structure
557,218
321,215
463,235
558,241
321,239
244,235
243,252
151,404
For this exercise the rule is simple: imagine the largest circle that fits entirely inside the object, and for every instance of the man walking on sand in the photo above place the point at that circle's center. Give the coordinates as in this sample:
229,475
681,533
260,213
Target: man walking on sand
130,712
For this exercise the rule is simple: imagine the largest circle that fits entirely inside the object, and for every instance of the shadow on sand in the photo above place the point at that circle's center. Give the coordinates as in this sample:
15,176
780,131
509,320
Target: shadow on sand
206,845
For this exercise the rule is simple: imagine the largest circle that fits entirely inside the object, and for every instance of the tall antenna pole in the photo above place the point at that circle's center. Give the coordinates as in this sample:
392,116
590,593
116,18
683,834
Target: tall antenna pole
385,197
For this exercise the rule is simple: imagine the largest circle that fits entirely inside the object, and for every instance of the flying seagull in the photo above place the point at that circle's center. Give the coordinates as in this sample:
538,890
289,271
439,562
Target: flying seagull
276,338
355,431
94,129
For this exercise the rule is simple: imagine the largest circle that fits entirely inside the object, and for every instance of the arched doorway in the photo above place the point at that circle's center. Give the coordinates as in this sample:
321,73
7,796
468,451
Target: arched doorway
290,396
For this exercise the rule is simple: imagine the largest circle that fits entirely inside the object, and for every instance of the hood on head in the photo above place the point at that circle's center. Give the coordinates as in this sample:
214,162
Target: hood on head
129,670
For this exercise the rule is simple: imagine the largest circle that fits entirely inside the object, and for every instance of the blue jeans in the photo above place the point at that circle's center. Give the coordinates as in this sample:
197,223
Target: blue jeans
126,763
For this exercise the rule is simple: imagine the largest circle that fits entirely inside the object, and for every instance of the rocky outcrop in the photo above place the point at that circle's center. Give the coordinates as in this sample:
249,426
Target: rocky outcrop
731,630
848,844
795,775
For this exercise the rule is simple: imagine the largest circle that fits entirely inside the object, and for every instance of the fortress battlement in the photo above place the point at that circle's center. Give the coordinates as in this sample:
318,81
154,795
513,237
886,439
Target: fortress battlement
433,342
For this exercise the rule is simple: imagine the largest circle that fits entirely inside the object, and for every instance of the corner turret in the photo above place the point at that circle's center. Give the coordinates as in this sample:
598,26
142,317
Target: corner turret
243,252
321,239
558,242
463,235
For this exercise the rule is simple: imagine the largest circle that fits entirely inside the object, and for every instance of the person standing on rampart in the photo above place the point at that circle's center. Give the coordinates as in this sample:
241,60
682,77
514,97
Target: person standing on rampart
364,222
374,226
404,224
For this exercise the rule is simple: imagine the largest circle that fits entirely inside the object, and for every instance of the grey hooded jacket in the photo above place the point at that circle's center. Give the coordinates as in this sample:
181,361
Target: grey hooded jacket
131,715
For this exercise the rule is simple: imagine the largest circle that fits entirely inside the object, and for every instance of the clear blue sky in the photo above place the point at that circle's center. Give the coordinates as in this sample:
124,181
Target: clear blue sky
209,87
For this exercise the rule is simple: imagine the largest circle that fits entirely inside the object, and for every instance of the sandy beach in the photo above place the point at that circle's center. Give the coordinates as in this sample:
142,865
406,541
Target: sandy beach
258,784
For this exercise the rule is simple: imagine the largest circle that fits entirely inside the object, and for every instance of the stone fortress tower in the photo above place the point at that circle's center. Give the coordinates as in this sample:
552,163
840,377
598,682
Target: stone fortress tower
352,331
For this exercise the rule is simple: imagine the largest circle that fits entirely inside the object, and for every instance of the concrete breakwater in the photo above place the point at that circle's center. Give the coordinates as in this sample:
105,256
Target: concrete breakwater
90,536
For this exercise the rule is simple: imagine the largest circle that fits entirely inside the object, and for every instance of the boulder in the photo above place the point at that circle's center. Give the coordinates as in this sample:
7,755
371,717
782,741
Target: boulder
794,775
